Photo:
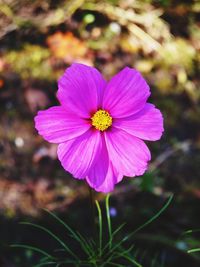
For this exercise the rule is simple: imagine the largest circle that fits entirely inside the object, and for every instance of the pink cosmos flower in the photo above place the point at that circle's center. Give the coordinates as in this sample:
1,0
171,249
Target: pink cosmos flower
100,126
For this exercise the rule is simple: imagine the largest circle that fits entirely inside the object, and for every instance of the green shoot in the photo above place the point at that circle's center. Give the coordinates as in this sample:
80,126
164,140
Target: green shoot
108,220
100,227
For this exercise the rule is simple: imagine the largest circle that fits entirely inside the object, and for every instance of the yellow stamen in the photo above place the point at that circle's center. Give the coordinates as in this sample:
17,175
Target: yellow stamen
101,120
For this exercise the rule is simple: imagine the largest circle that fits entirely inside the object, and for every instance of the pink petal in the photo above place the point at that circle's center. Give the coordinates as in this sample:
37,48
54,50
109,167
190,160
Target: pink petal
126,93
81,89
79,155
128,154
147,124
57,125
103,176
112,178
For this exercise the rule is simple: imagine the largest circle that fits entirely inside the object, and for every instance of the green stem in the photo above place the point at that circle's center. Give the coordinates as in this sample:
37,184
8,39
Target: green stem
100,227
108,220
193,250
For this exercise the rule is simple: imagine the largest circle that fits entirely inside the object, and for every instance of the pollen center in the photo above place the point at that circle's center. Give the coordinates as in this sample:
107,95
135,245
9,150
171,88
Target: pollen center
101,120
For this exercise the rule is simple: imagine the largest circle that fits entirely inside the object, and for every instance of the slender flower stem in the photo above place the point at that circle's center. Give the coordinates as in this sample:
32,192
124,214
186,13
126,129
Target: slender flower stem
108,220
100,227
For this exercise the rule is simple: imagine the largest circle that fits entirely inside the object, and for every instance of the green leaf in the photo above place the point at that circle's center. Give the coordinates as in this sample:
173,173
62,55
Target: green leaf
100,227
155,216
113,234
33,249
193,250
74,234
52,235
137,264
44,263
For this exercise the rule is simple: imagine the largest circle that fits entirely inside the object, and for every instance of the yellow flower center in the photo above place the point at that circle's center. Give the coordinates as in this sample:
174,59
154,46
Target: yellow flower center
101,120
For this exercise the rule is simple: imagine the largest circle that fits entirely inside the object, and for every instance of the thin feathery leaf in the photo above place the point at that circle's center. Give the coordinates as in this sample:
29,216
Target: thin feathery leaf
123,252
33,249
155,216
191,231
142,226
52,235
92,243
45,264
115,264
87,247
113,234
45,259
117,255
117,245
74,234
193,250
118,229
137,264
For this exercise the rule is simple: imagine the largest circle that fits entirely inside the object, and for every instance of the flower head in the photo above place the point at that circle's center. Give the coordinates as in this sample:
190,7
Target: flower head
100,126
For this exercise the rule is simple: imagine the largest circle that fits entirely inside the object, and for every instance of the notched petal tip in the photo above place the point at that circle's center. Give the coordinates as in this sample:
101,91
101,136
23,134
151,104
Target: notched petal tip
81,89
129,154
37,120
126,93
56,125
78,155
147,124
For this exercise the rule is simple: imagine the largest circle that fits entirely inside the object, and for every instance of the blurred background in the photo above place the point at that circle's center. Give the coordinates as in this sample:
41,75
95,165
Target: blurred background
38,40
